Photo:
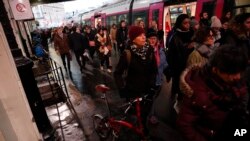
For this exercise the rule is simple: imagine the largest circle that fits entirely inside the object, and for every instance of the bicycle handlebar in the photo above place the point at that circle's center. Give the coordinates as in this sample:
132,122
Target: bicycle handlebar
140,99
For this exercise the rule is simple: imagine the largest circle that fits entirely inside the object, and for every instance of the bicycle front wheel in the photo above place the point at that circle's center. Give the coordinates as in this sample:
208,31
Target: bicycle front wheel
101,126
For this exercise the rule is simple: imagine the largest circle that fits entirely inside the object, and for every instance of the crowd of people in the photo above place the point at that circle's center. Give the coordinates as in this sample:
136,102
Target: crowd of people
207,62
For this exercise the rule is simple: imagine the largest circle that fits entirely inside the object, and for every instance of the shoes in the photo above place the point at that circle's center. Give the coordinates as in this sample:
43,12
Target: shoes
109,71
101,68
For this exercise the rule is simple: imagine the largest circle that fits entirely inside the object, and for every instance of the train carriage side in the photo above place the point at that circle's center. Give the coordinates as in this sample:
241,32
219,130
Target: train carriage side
221,7
146,10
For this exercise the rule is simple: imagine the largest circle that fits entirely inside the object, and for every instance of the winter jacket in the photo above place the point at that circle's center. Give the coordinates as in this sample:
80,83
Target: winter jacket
61,44
91,37
211,110
113,32
78,42
178,52
141,74
200,54
121,36
161,67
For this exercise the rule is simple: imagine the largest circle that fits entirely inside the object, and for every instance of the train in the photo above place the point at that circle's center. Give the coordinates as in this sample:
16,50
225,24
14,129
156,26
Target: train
164,12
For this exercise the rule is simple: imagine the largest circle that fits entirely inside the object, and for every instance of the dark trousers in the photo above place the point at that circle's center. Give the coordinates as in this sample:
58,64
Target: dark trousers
79,56
115,46
64,56
92,51
105,59
176,88
121,48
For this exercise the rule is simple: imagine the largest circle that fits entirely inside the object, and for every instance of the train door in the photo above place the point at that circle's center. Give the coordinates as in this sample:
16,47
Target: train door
92,20
103,19
100,20
173,11
156,14
212,7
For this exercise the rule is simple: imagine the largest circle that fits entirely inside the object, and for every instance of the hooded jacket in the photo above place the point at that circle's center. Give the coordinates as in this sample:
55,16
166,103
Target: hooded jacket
211,109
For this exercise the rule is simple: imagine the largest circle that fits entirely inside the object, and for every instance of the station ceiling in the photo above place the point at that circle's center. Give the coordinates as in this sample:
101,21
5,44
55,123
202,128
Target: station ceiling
35,2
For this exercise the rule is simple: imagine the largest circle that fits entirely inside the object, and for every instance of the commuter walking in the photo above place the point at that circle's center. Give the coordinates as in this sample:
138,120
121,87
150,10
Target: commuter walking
215,101
239,34
78,44
160,58
113,32
104,47
91,39
61,44
121,36
204,46
178,52
138,61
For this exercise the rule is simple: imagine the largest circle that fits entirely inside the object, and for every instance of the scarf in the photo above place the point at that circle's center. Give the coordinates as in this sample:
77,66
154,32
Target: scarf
141,52
205,50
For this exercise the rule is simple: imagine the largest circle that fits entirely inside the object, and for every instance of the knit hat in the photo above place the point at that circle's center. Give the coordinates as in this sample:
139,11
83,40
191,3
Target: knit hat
215,22
193,22
135,31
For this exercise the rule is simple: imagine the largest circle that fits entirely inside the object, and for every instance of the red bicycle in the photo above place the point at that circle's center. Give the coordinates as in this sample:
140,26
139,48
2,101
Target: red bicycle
104,126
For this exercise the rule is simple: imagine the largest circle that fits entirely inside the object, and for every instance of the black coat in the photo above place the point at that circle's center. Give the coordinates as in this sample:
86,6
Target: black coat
78,42
141,74
178,52
121,36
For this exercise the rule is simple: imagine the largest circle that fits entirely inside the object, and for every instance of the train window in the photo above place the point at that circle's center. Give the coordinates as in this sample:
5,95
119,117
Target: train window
189,11
103,22
155,14
176,10
209,8
111,20
122,17
142,15
242,6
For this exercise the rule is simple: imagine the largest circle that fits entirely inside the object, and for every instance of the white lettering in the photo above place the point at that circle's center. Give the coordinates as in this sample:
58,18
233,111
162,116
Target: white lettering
240,132
243,131
237,132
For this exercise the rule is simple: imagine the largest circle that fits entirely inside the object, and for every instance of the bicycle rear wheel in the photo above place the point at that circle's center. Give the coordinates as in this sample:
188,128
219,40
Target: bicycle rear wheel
101,126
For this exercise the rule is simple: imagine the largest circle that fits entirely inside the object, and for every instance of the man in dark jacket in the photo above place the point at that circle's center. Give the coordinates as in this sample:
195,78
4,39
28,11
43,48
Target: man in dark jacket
121,36
78,44
215,97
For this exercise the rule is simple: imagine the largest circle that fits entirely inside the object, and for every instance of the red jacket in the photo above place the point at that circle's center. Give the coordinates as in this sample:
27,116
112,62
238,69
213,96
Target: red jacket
207,103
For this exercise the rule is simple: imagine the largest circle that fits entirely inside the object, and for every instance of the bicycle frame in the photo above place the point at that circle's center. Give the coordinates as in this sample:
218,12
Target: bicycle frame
115,124
109,123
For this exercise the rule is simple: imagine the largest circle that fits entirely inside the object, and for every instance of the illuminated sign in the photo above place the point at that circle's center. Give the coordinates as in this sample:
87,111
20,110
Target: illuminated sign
21,9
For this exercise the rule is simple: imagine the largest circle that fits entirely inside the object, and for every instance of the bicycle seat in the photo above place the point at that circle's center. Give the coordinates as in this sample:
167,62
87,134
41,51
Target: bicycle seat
102,88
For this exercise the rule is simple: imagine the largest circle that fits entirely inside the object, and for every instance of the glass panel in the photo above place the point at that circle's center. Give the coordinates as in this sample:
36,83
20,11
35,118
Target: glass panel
113,20
155,14
209,8
173,18
122,17
142,15
189,11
